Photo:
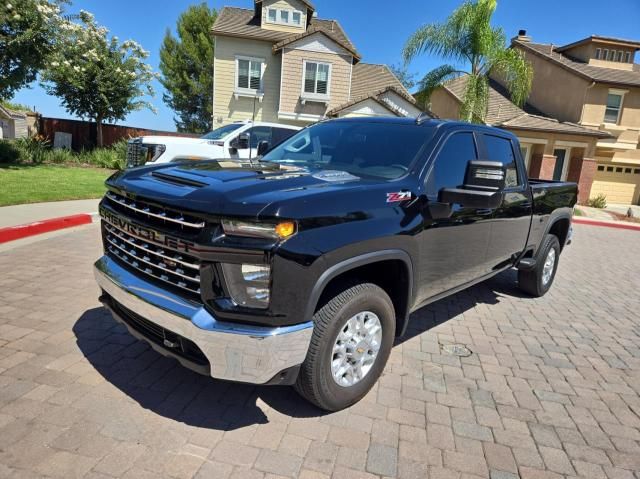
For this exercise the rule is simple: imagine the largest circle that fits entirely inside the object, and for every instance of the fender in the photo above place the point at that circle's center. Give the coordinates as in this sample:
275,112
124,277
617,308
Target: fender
355,262
554,217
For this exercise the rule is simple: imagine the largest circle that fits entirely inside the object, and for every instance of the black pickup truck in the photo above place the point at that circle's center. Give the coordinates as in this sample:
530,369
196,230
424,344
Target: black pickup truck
303,265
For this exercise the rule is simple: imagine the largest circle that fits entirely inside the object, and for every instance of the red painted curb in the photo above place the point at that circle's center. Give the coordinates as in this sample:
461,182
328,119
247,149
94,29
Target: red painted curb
12,233
621,225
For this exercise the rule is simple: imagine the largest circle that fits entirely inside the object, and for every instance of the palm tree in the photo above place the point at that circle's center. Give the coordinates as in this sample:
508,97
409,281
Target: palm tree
466,37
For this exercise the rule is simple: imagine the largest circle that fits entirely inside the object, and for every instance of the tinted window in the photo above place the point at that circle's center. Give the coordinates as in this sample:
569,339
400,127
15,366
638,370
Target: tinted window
281,134
372,149
500,149
221,132
258,134
451,163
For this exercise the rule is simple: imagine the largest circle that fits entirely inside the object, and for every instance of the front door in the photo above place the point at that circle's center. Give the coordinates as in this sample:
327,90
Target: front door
512,220
561,158
454,238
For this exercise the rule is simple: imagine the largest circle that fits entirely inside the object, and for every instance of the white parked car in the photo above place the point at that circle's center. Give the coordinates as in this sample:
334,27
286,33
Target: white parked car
236,140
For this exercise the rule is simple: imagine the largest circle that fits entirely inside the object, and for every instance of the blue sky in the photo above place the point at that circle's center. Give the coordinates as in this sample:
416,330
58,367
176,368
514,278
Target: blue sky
378,29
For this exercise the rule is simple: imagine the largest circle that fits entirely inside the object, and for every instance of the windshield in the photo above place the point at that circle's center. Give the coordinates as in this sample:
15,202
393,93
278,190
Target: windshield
221,132
380,150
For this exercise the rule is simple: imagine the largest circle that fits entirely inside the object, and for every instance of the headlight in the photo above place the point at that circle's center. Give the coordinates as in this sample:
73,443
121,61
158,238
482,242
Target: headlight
248,284
281,230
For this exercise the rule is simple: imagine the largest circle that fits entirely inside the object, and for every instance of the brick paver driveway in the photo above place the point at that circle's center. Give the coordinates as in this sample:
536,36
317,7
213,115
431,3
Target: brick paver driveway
551,389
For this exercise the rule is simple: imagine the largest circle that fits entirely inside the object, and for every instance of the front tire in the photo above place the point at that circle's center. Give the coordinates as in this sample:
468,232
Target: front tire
538,280
352,338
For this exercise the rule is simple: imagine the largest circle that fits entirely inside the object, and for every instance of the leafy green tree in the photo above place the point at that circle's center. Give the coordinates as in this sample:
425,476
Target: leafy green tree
401,72
186,63
96,76
28,32
467,38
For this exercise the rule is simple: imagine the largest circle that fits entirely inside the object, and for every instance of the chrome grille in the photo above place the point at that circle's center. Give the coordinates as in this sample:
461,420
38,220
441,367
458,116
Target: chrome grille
169,266
153,214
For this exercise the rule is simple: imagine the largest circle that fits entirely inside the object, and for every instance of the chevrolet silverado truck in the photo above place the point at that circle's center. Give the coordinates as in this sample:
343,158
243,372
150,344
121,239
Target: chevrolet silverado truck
238,140
302,266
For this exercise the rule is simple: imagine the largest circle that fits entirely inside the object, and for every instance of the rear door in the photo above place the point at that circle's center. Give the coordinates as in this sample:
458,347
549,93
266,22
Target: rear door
512,220
454,238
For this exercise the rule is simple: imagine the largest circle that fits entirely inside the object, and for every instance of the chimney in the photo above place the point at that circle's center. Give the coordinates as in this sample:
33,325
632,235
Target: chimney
521,37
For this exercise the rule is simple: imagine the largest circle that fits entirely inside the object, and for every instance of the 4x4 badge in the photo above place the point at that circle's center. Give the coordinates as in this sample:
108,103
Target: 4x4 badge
398,196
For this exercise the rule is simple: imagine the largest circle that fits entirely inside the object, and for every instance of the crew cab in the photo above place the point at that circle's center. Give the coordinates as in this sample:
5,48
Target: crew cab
238,140
303,265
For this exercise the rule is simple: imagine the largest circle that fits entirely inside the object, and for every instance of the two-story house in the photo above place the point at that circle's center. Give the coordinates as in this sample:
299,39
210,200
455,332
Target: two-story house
279,62
595,83
581,121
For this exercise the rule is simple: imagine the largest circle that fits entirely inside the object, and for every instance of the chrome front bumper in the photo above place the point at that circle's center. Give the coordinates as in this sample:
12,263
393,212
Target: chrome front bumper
236,352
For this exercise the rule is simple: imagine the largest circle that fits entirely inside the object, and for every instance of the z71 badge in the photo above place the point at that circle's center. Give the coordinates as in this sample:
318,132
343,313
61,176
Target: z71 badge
398,196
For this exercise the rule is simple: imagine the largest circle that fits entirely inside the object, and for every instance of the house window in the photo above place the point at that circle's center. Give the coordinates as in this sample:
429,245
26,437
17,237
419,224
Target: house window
627,57
249,71
612,54
605,53
598,52
316,78
600,168
627,170
609,168
620,52
284,16
614,106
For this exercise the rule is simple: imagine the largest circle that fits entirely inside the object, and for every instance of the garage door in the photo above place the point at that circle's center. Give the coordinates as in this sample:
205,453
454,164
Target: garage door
620,184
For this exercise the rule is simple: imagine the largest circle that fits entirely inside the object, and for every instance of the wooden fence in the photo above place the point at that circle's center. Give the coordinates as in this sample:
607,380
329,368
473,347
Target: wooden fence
83,133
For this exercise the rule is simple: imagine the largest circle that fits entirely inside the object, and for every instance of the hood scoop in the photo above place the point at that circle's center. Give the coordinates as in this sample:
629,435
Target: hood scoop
178,180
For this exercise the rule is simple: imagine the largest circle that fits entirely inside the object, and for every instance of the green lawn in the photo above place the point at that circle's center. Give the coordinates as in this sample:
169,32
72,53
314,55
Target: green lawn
36,183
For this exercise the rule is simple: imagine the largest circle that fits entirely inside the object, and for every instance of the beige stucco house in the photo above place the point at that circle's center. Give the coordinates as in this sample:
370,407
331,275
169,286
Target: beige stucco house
279,62
582,119
595,83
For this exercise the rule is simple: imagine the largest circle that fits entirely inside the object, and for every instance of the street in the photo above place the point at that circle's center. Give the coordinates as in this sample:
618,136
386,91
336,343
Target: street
551,388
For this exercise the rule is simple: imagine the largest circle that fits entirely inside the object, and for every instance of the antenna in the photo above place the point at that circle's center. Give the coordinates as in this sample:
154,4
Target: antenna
422,117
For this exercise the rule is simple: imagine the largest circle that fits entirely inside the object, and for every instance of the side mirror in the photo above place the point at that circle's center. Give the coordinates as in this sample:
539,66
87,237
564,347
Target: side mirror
241,142
485,175
263,147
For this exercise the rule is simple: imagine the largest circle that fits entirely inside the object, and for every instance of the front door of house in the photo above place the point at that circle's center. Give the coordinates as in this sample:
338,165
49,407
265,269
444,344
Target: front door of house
561,158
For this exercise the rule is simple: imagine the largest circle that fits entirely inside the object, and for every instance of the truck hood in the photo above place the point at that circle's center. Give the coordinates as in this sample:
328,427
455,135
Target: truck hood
239,189
174,140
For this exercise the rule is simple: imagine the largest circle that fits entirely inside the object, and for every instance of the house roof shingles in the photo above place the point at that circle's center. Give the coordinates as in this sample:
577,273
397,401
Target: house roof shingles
312,30
594,73
242,22
502,112
371,81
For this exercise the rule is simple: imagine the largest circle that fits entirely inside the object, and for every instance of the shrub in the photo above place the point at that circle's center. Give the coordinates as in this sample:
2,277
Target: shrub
9,152
599,201
34,149
61,155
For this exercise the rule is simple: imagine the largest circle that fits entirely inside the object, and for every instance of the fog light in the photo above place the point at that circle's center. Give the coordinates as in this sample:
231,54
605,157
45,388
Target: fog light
248,284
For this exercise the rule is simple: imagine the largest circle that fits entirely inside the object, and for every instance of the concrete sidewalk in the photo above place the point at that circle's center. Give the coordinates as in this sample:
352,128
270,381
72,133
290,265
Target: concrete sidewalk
23,214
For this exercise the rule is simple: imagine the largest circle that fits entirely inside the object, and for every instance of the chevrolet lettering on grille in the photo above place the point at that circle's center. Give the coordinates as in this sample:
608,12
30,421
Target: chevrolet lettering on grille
146,234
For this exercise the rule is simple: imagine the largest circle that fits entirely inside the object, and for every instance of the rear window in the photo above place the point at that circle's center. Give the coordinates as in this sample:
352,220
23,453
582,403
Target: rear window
221,132
381,150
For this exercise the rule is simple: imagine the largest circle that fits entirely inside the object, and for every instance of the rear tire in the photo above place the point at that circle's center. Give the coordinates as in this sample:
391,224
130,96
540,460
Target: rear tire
352,338
538,281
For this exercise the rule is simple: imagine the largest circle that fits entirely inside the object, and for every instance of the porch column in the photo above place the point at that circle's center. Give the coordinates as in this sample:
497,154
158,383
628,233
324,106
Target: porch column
542,166
582,171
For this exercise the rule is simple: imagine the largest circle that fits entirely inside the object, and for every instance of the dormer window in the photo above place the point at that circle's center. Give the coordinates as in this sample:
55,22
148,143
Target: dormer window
283,16
598,53
627,57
